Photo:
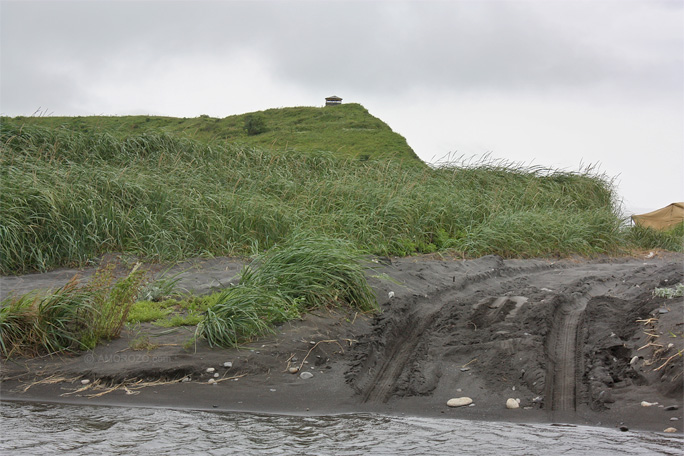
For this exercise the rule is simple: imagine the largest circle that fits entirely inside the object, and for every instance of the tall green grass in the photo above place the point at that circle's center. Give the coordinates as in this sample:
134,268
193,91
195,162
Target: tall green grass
33,324
70,318
649,238
305,272
66,197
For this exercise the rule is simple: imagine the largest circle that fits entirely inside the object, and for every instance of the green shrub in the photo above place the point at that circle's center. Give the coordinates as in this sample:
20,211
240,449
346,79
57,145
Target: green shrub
255,124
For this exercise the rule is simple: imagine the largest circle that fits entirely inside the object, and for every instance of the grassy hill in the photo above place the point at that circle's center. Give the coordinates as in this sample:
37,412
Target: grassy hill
348,130
67,197
72,189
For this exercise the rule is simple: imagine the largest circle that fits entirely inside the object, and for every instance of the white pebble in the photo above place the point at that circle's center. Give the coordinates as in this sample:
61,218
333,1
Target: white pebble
85,381
633,361
210,370
648,404
216,375
390,294
306,375
227,364
670,429
512,403
211,380
459,401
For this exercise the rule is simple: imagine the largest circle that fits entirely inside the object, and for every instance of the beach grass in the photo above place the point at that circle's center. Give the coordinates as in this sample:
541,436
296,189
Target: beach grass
304,273
69,197
71,318
648,238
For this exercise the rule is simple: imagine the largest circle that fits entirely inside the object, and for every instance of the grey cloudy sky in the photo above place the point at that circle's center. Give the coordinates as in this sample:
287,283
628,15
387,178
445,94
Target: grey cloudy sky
551,83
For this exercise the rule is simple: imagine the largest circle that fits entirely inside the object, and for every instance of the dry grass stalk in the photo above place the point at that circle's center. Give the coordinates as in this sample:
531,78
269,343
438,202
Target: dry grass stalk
316,345
679,353
51,380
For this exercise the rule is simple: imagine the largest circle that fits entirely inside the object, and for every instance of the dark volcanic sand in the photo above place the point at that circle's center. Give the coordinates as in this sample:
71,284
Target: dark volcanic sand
561,336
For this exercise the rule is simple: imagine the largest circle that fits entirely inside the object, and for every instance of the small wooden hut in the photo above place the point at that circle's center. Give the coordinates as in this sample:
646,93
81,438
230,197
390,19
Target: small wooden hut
333,101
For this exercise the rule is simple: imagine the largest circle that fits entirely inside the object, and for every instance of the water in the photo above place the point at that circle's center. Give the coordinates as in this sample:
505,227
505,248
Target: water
33,429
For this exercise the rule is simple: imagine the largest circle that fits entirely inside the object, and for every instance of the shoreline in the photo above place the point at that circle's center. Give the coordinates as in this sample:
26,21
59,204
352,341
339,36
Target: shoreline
477,328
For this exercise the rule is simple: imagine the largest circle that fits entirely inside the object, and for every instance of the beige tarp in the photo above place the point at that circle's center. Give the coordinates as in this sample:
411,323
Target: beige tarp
662,219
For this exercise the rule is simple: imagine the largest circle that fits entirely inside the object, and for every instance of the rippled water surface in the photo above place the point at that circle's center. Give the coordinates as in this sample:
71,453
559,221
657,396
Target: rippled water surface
79,430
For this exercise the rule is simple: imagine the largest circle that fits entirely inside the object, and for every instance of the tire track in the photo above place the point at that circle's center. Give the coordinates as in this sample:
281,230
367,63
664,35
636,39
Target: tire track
565,365
562,371
378,376
382,384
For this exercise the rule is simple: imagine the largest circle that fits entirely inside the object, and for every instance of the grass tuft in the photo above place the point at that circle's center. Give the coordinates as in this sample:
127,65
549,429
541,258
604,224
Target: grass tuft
68,319
306,272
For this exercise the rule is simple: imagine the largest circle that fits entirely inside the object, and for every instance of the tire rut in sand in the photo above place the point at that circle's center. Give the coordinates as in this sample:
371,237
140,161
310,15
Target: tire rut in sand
402,337
564,356
381,385
562,370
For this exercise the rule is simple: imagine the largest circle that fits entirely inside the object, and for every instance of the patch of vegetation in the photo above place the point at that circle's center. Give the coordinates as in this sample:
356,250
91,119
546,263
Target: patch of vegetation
255,124
649,238
142,342
69,319
161,197
669,293
185,311
348,130
161,288
305,272
146,311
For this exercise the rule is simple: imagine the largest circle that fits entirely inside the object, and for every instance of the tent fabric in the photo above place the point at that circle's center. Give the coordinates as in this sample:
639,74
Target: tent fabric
661,219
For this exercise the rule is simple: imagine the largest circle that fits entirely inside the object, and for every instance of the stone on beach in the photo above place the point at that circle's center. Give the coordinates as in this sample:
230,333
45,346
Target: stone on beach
648,404
512,403
306,375
459,401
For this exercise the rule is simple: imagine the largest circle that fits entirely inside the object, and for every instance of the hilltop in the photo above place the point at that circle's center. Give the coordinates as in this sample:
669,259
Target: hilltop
347,130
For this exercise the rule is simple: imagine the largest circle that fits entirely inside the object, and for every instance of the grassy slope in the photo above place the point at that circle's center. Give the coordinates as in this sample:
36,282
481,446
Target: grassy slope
348,130
67,197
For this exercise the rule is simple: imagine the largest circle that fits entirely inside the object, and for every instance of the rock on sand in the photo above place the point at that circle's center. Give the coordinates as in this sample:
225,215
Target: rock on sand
459,401
512,403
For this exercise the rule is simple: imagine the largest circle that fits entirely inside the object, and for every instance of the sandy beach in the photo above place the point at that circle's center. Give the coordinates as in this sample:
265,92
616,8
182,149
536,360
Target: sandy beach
575,340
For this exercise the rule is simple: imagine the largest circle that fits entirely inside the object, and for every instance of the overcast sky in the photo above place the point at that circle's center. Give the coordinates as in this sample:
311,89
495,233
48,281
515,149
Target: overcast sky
552,83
